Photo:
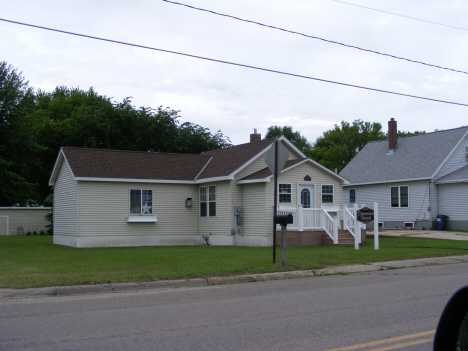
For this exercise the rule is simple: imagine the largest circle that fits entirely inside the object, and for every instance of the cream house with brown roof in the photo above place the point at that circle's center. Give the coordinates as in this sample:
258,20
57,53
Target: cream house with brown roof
108,198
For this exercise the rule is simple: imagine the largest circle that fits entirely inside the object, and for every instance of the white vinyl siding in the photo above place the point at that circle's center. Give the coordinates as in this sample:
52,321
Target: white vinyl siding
221,224
295,176
254,211
418,203
65,202
104,209
453,201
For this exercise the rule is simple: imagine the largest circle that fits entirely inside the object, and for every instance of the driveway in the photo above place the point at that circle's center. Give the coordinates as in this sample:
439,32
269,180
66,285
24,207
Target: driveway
429,234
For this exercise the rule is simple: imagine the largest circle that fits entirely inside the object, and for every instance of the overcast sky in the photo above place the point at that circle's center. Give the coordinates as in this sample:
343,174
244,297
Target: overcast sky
236,100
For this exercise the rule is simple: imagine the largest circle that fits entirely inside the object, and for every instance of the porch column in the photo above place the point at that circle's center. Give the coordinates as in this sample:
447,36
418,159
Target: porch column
300,218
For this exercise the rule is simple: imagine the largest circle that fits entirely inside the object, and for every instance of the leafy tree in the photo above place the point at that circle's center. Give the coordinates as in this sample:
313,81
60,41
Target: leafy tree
339,145
405,134
194,139
73,117
18,161
295,137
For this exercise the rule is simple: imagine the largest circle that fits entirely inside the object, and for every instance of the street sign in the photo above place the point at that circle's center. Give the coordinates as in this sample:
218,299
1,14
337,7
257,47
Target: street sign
283,156
365,215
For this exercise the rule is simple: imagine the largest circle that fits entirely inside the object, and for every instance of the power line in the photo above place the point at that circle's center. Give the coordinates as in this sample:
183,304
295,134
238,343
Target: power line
314,37
396,14
233,63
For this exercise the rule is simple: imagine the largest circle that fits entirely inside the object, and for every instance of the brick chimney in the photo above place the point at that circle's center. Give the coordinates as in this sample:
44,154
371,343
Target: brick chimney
392,134
255,136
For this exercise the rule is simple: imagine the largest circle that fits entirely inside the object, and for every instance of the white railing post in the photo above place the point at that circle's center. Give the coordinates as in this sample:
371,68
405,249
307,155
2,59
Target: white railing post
357,228
322,219
376,226
300,218
335,230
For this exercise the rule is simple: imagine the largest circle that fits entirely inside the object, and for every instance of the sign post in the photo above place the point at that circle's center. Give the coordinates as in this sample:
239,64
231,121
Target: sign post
376,226
365,215
275,160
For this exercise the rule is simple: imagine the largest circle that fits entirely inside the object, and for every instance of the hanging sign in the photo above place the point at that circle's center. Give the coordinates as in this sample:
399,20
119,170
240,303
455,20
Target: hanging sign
365,215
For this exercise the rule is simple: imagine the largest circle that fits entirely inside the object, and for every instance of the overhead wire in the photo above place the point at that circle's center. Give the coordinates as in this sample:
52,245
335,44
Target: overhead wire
315,37
231,63
399,15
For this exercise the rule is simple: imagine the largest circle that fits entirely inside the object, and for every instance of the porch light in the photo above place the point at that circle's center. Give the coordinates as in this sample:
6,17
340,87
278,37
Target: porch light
188,202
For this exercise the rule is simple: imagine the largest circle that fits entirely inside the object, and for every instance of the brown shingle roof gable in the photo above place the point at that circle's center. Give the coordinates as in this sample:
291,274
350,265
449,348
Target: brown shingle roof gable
226,161
104,163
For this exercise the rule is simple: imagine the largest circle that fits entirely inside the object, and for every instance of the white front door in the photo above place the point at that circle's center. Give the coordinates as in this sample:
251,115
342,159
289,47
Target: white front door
306,198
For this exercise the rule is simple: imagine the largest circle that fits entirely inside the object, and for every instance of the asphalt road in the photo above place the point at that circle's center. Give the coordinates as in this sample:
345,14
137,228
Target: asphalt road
316,313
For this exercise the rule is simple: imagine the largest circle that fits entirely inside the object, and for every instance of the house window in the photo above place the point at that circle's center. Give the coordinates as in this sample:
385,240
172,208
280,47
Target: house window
208,201
141,202
352,196
284,193
466,152
399,195
408,225
327,194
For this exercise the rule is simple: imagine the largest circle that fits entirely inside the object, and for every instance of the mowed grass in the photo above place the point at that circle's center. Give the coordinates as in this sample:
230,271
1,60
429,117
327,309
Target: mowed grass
33,261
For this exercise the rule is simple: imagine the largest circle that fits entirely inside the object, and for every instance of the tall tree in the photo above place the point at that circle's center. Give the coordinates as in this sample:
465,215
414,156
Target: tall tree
18,150
336,147
73,117
295,137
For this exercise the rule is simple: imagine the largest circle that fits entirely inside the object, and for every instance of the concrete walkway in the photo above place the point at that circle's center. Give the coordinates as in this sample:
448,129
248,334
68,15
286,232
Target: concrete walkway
428,234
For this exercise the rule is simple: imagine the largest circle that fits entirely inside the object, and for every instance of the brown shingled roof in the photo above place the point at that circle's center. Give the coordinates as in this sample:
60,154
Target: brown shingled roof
103,163
265,172
227,160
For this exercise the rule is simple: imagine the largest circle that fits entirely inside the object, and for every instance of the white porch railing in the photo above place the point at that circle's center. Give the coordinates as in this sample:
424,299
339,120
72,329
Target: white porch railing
320,219
312,218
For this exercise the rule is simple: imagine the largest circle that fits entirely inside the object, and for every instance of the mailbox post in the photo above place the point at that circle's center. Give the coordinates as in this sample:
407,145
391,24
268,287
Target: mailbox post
283,220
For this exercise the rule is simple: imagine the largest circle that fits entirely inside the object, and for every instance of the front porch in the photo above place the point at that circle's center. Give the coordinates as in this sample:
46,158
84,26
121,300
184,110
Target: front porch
318,238
322,226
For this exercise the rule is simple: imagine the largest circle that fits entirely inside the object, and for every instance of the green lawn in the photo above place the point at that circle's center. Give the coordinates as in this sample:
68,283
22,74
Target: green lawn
33,261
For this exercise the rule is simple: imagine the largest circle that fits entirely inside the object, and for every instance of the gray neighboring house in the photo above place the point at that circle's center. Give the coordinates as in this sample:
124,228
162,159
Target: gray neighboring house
413,179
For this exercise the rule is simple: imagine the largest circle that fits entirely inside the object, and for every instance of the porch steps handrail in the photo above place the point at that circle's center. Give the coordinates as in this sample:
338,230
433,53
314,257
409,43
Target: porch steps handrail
329,226
348,219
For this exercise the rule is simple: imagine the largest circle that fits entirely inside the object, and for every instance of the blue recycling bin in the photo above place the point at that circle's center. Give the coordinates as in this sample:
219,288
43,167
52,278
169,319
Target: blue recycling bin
442,222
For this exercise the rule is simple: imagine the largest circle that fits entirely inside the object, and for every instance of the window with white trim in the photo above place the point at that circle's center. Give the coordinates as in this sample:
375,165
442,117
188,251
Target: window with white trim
399,196
208,201
141,202
327,194
284,191
352,196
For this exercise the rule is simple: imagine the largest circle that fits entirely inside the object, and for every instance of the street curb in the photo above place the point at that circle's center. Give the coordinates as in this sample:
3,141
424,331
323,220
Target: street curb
198,282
